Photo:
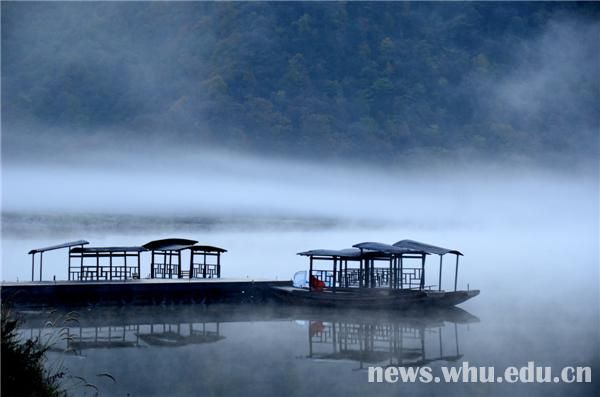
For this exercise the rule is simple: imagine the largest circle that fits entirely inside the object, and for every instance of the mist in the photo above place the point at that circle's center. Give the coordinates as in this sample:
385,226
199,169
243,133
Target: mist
80,77
518,227
172,182
230,121
273,128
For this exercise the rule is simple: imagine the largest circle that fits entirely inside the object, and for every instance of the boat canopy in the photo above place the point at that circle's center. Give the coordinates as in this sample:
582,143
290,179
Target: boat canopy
94,250
167,262
428,248
394,273
59,246
207,248
169,244
375,247
347,253
78,243
368,250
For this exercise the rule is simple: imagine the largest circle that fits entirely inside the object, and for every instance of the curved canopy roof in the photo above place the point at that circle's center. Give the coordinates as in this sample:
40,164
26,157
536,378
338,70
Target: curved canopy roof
207,248
107,249
58,246
430,249
386,248
347,253
169,244
376,250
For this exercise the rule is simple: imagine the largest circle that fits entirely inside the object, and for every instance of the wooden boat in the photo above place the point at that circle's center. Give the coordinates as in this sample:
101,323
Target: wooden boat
379,298
368,286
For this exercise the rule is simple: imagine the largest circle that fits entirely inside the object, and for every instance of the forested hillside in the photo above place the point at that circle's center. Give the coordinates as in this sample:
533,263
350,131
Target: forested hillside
355,80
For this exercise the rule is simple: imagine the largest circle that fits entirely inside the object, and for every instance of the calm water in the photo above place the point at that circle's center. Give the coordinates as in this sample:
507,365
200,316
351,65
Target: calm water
539,302
275,350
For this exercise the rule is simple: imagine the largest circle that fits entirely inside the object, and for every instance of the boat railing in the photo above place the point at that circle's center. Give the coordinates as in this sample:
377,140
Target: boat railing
162,270
104,263
325,276
377,278
411,277
103,272
205,270
165,270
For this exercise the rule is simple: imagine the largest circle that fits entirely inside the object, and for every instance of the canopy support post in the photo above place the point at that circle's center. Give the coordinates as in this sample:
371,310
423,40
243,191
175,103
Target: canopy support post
98,265
218,265
364,274
390,272
372,272
456,273
152,266
81,263
334,272
360,274
32,266
395,272
41,259
310,270
422,286
401,273
179,264
362,271
346,272
440,279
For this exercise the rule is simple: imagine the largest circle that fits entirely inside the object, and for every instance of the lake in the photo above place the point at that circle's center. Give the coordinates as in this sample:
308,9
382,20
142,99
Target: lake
539,302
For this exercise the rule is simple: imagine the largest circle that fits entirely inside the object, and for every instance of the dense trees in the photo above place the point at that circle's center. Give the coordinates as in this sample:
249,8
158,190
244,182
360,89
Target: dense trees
369,80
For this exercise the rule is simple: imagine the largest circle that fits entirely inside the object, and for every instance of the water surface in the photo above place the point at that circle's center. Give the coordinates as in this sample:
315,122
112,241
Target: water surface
538,303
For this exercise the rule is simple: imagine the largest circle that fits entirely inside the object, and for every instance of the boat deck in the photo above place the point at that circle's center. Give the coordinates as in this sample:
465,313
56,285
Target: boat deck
138,291
373,298
139,281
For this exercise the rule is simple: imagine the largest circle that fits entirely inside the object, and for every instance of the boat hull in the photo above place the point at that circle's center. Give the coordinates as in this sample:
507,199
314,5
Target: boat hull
373,299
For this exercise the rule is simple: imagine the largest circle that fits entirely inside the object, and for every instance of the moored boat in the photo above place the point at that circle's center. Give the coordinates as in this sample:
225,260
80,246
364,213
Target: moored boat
371,285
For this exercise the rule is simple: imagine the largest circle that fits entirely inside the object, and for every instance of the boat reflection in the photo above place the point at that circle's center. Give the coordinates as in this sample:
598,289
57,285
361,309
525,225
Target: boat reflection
79,333
404,340
382,338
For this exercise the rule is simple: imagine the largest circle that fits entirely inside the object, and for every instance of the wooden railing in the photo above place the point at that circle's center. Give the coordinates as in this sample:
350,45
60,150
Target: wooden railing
93,272
379,277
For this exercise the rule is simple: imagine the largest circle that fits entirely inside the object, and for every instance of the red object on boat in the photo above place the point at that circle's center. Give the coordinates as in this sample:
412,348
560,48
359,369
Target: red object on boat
316,284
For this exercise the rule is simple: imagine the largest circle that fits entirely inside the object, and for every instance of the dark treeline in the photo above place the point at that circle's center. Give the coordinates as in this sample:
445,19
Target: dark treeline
365,80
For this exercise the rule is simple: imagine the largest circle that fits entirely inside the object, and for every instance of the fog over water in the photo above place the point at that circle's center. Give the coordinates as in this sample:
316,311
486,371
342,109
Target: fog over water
270,350
176,181
518,193
525,232
529,235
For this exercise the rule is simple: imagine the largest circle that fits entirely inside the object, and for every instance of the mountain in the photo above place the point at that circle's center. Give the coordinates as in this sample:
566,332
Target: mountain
369,81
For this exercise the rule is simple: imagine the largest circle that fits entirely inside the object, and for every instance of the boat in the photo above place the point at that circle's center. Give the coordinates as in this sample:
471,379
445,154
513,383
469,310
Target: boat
393,286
